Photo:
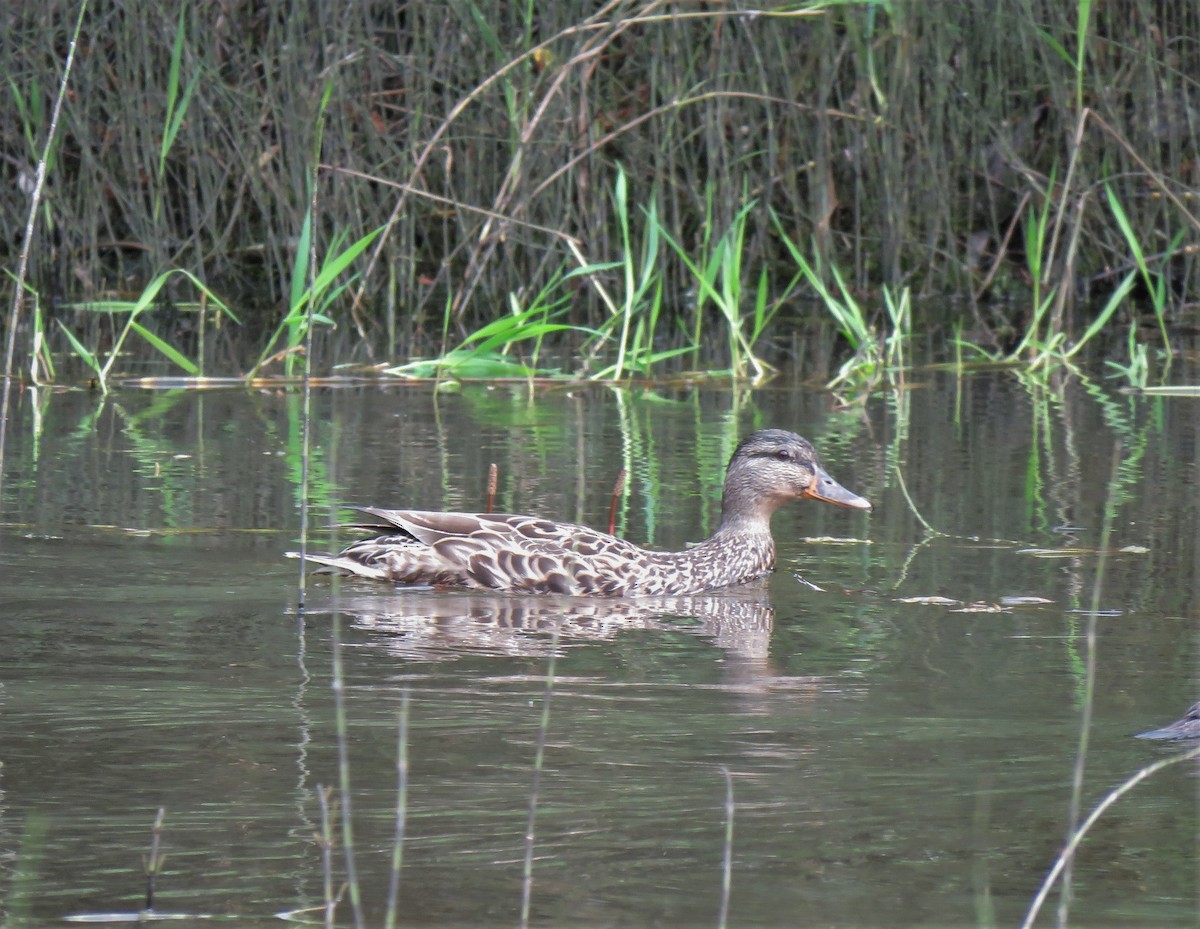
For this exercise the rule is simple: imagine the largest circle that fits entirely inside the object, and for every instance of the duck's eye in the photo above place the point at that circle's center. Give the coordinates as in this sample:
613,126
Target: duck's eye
784,454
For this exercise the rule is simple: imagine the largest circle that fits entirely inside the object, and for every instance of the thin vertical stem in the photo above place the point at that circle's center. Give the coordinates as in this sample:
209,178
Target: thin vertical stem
727,852
1089,686
14,314
539,754
389,921
343,751
326,841
155,860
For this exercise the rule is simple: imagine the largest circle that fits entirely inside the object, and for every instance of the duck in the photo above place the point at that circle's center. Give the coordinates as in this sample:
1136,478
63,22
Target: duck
1186,728
531,554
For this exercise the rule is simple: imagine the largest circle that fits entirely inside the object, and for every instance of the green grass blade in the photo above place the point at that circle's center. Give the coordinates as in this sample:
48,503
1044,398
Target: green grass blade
335,266
83,352
176,107
299,283
1110,307
166,348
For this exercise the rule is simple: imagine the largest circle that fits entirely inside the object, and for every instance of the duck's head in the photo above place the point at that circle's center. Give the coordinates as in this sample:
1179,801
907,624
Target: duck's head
774,467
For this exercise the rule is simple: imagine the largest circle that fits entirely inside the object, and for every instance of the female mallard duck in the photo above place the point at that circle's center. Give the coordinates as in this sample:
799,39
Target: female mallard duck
1186,728
534,555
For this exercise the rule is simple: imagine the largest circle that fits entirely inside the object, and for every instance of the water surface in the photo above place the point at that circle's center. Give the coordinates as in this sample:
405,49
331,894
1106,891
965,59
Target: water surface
892,762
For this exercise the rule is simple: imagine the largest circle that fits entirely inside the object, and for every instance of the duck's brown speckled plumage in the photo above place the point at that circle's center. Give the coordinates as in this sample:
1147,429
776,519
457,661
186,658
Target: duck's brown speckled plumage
534,555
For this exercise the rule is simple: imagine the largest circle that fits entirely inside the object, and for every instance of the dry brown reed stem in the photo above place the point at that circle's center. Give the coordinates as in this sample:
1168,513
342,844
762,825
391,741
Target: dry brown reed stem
678,104
444,125
597,21
618,489
1002,251
1184,211
492,481
447,201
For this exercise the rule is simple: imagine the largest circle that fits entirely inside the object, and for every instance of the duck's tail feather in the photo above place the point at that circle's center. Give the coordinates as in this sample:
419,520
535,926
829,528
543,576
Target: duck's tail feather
338,564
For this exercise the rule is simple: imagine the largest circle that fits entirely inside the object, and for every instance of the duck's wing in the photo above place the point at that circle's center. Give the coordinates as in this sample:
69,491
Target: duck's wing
430,526
499,551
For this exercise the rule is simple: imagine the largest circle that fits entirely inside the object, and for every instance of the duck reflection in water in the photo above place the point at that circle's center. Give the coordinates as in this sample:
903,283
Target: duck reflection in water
436,627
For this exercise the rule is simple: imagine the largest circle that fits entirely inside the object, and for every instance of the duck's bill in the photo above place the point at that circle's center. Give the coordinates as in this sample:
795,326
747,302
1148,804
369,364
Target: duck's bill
827,489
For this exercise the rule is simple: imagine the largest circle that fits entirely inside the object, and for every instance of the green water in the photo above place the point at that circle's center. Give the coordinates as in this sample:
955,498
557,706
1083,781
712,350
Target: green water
892,763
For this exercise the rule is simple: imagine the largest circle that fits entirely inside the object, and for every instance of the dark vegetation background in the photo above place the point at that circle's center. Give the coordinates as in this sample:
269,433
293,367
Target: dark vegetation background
907,143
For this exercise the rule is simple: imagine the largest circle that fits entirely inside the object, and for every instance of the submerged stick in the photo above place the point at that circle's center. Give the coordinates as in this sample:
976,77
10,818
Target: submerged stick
155,859
618,489
1077,836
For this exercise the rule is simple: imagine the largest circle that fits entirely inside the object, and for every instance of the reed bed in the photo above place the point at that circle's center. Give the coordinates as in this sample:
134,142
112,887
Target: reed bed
1027,160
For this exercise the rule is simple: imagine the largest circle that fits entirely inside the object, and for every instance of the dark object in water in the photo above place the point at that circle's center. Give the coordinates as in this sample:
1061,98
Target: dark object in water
1186,728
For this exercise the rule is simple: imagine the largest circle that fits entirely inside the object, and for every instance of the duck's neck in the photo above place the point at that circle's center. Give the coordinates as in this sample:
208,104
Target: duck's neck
741,550
743,511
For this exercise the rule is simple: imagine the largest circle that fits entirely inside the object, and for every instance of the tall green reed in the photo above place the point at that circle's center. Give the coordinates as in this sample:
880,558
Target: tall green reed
1156,280
632,326
176,109
311,297
718,276
864,366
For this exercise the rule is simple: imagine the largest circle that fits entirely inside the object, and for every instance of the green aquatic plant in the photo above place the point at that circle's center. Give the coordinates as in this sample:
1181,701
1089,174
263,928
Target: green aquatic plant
101,362
1039,246
1155,279
633,318
308,304
899,313
718,276
1076,61
1137,370
865,366
486,352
